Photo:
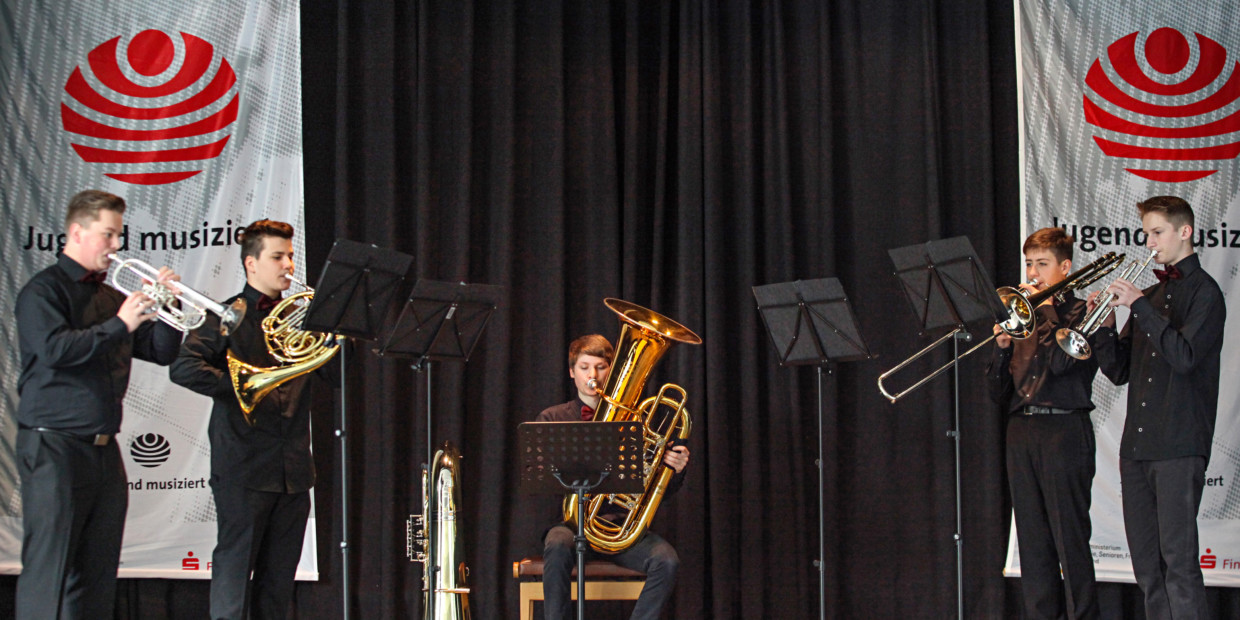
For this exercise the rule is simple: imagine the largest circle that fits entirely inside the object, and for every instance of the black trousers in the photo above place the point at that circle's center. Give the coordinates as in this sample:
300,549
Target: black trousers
651,555
74,500
1050,464
1161,499
261,532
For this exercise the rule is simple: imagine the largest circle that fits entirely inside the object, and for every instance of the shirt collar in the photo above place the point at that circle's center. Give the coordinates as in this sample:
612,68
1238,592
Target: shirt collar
1188,265
72,268
252,296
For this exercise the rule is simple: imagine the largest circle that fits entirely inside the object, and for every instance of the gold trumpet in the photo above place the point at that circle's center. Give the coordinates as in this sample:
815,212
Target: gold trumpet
194,306
1075,341
645,336
1021,321
301,351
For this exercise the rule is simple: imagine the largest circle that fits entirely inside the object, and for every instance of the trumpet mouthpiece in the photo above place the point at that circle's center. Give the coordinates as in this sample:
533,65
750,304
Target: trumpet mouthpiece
593,384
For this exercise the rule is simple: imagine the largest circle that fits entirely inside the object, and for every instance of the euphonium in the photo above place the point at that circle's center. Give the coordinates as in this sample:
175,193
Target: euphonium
433,539
645,336
301,352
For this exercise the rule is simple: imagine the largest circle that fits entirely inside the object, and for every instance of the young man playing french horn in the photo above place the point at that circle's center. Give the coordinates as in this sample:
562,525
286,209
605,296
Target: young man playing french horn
261,466
1047,396
589,360
1169,355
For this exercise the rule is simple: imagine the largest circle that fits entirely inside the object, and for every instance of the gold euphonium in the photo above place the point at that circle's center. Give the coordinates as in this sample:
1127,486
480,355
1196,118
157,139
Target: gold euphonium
301,352
433,538
645,336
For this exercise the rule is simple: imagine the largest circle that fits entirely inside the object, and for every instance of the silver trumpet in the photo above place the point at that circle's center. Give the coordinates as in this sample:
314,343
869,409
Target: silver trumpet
193,307
1075,341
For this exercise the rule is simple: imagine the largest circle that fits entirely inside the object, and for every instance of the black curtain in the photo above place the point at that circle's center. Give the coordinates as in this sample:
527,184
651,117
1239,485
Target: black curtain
673,154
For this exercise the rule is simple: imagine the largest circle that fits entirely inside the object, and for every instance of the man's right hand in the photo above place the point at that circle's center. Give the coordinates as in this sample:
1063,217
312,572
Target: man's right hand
136,310
1002,338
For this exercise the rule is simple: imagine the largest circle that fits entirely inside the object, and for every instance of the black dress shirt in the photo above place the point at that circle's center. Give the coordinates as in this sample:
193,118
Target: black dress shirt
1169,355
76,353
1035,371
274,454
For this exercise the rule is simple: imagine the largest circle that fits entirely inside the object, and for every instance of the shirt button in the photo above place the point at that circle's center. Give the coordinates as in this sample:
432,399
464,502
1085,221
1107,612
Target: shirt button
1154,354
1168,296
1150,380
1140,430
1142,403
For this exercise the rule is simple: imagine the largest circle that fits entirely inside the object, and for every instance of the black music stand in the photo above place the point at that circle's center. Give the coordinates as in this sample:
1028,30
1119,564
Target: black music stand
946,286
352,298
441,321
582,457
811,322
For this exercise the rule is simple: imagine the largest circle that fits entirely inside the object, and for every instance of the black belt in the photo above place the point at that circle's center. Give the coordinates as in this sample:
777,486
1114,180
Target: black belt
1035,410
97,440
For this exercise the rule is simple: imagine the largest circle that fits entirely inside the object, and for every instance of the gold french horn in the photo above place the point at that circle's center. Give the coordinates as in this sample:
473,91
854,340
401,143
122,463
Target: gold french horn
301,351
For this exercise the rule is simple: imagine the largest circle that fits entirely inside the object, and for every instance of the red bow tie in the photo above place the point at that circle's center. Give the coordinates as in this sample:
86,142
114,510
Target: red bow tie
98,277
1169,273
266,303
587,413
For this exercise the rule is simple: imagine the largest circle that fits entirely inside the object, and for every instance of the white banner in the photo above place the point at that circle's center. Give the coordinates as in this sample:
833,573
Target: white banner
191,111
1120,101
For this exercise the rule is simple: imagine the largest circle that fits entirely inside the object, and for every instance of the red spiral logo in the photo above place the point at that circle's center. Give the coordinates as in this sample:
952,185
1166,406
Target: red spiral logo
1177,128
160,125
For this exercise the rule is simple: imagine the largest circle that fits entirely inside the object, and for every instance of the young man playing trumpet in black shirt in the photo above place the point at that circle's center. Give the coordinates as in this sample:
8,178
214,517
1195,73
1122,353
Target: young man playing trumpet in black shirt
78,337
1169,355
1047,395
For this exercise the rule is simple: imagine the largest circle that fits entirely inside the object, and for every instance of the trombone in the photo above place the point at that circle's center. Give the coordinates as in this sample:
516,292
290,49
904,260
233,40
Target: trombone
1021,321
1075,341
194,305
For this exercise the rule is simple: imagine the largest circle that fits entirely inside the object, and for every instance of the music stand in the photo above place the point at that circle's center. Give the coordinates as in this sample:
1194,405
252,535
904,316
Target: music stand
441,321
599,457
946,286
811,322
353,295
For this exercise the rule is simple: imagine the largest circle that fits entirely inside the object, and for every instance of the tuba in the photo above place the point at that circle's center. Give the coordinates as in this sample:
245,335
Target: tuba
300,351
432,538
645,336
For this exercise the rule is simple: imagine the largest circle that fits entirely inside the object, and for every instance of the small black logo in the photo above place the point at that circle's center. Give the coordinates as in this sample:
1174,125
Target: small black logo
150,450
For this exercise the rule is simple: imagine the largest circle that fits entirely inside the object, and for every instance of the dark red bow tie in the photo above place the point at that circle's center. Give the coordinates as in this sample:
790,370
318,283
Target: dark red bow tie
587,413
266,303
1170,273
98,277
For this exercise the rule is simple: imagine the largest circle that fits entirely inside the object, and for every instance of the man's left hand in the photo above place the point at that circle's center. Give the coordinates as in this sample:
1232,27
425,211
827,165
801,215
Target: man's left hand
1125,293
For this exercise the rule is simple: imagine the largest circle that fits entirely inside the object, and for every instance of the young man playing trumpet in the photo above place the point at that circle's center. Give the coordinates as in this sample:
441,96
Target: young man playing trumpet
1047,396
589,360
78,337
261,472
1169,355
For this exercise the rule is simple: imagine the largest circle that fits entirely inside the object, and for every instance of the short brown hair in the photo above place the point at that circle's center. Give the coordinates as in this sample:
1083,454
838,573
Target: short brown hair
1055,240
592,344
1174,208
85,206
253,235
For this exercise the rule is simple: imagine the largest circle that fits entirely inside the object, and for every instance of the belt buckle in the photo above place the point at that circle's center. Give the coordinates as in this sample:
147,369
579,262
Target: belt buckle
102,440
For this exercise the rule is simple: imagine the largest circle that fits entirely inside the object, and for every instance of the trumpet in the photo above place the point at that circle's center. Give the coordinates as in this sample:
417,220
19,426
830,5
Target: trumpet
1021,321
193,307
1075,341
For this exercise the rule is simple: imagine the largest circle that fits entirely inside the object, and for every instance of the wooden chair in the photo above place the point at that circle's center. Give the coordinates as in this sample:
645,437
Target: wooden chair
605,581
